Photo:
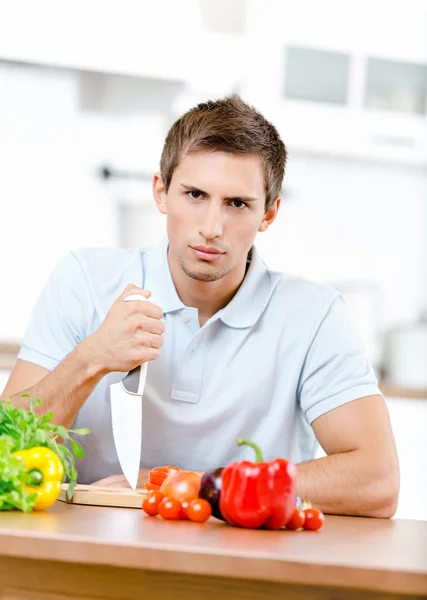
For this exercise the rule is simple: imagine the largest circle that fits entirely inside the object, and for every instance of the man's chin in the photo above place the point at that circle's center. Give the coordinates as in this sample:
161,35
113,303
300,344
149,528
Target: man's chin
203,273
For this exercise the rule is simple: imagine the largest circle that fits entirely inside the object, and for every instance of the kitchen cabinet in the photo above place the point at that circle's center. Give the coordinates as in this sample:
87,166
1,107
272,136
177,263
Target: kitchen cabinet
342,104
129,37
395,85
395,31
316,75
337,87
321,71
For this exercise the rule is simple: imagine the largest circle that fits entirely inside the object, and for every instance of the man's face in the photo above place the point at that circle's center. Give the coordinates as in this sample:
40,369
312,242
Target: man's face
215,205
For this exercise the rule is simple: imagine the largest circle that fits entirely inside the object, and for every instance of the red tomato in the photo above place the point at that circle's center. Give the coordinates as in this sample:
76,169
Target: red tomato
169,508
182,486
150,504
314,519
297,520
199,510
184,511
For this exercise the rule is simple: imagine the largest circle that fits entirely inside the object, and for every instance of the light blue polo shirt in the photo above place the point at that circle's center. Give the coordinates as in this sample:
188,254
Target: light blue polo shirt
278,356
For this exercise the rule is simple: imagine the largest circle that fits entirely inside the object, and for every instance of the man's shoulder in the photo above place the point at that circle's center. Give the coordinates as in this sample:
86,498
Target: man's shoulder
300,294
105,272
93,259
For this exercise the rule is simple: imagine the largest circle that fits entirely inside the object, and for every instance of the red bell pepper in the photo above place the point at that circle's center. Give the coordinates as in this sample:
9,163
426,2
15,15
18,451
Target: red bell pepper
260,494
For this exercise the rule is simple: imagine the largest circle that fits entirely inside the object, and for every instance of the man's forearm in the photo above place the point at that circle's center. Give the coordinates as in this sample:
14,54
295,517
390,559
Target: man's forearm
66,388
347,484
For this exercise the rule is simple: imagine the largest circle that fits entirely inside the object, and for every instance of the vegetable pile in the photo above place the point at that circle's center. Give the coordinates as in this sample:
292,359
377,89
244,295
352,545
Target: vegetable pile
244,494
177,496
33,459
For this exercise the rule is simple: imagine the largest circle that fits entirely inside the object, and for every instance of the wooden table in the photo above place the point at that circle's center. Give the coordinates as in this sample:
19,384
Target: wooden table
84,552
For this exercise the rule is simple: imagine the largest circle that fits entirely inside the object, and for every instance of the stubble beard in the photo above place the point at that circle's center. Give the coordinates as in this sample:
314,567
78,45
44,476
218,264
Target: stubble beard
203,275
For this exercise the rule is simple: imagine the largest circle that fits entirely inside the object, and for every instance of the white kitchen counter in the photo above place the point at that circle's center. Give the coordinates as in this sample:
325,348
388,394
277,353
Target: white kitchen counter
409,421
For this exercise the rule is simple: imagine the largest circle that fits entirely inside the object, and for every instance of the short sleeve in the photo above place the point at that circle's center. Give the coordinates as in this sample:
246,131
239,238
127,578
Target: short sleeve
58,321
336,369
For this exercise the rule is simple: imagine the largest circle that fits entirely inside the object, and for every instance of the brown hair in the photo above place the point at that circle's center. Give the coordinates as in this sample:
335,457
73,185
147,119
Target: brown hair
226,125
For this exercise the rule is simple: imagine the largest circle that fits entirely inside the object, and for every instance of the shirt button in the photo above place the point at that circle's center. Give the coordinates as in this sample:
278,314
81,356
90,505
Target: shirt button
186,317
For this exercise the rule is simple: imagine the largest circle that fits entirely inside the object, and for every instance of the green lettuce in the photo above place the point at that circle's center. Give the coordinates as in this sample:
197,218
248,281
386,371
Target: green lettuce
12,477
26,429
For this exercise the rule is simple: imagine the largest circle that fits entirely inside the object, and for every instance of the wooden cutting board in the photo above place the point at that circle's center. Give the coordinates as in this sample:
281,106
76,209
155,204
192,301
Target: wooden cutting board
103,496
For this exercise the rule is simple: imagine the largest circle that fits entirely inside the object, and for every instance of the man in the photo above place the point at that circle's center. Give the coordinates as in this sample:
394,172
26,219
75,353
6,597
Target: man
233,348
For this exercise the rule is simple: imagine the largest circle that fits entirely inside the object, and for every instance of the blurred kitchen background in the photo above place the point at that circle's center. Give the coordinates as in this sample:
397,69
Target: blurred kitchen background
88,90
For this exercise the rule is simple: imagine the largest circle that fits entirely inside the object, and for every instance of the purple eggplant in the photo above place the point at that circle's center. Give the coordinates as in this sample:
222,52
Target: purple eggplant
210,490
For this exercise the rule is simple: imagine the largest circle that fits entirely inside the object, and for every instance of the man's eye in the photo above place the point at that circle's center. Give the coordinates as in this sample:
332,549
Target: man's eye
238,204
195,194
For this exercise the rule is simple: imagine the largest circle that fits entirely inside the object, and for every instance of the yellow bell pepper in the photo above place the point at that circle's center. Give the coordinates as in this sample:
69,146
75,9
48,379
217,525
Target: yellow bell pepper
45,474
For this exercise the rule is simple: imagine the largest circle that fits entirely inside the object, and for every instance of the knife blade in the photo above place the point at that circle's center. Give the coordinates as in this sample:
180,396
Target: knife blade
126,416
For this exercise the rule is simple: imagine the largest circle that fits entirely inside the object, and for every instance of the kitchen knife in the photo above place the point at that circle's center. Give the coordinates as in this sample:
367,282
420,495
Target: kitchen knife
126,416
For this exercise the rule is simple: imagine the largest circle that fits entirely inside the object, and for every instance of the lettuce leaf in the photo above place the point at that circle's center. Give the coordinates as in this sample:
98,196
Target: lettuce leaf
12,476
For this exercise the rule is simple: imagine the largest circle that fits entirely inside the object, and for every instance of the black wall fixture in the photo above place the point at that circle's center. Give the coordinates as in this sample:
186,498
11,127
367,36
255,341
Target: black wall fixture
106,172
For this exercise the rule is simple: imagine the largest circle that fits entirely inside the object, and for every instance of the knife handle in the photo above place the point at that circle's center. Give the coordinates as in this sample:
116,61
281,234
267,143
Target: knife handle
143,371
135,297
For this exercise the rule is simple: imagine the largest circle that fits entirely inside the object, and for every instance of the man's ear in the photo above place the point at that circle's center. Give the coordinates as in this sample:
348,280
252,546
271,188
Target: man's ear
159,193
270,215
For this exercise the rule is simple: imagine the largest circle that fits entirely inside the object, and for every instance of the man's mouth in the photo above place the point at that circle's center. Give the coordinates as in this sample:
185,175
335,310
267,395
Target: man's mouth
209,253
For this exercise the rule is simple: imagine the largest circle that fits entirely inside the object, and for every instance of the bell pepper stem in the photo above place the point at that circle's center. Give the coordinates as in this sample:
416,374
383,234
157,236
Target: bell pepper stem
259,457
35,478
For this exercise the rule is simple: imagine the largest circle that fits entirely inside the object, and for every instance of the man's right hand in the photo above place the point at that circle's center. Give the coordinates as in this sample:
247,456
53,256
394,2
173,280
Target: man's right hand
130,335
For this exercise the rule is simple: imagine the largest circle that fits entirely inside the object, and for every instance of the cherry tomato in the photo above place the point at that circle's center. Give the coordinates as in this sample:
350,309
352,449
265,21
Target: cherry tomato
182,486
199,510
169,508
297,520
150,504
314,519
183,515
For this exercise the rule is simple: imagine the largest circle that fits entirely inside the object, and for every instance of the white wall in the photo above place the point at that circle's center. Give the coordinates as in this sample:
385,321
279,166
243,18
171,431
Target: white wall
352,221
55,133
374,26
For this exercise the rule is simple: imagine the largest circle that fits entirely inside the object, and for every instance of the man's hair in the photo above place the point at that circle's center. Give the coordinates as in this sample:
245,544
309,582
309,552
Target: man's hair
227,125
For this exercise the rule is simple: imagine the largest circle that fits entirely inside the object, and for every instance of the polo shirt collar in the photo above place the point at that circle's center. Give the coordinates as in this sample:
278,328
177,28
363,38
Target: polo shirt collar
242,311
252,297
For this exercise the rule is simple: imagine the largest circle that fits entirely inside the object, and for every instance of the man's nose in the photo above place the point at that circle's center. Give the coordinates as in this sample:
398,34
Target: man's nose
212,223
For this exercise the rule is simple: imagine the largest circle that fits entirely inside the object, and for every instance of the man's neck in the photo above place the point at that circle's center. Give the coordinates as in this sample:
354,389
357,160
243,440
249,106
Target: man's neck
207,296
